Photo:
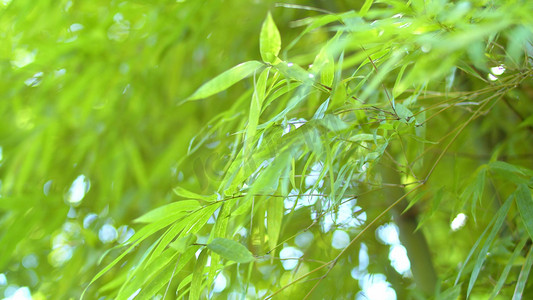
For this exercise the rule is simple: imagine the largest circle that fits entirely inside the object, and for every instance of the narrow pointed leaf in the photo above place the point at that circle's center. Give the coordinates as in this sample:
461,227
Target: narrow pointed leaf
500,217
269,40
507,269
181,244
174,208
226,79
192,195
524,201
366,7
230,250
197,276
274,218
524,274
255,107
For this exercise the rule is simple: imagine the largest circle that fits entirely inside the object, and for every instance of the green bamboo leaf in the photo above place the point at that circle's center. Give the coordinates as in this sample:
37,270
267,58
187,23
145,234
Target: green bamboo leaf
255,107
171,234
226,79
365,137
524,274
508,171
108,267
324,63
398,88
295,72
197,276
269,40
366,6
192,195
147,273
403,113
274,219
230,250
507,269
319,114
333,123
524,201
136,239
184,282
500,218
172,209
181,244
151,288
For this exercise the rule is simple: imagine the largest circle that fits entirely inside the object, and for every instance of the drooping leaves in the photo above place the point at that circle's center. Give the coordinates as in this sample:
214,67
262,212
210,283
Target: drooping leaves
499,219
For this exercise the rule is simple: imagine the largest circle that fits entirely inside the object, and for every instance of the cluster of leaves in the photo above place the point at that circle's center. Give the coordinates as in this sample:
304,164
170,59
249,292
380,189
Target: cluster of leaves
385,111
396,88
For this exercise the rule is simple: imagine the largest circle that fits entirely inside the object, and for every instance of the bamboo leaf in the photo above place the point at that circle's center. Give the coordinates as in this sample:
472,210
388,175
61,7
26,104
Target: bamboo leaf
226,79
403,113
197,276
172,209
366,6
192,195
364,137
269,40
255,107
230,250
508,171
524,274
181,244
147,273
274,219
166,275
184,283
507,268
295,72
319,114
500,217
524,201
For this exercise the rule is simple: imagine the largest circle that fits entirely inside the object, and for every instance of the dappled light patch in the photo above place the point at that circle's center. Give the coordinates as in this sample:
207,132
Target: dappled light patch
458,222
80,186
289,257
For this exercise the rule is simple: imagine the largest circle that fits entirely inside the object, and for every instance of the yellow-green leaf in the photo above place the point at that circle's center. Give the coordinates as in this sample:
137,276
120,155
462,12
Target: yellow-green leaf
366,7
192,195
164,211
269,40
255,107
181,244
226,79
274,218
197,276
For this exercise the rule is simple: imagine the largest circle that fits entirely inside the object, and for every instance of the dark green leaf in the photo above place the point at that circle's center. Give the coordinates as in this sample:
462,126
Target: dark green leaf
524,201
524,274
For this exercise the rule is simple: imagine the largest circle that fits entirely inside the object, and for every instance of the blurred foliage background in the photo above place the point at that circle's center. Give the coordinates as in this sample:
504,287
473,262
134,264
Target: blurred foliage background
90,93
92,135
